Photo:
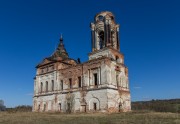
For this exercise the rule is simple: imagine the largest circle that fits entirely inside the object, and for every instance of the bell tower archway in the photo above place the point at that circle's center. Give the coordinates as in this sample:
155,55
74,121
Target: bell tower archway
105,37
104,31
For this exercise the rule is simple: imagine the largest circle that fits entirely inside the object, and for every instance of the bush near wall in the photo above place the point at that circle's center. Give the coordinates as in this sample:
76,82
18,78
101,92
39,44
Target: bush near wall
21,108
172,105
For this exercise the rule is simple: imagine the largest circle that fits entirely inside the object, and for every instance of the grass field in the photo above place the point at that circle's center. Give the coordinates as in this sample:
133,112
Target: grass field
93,118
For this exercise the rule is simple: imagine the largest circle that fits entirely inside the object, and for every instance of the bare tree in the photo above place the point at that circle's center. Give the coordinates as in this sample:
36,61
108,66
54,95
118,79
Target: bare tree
2,107
69,102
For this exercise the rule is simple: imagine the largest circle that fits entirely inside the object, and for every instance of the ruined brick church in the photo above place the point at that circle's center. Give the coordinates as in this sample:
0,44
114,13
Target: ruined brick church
101,84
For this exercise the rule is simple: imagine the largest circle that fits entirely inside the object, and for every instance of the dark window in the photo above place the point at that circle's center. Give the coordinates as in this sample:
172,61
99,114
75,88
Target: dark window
95,79
100,18
61,84
112,17
70,83
95,106
41,87
39,108
44,107
101,37
46,86
68,107
79,80
120,107
52,85
59,106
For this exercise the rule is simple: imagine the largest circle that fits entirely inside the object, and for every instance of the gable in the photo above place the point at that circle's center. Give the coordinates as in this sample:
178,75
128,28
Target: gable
44,62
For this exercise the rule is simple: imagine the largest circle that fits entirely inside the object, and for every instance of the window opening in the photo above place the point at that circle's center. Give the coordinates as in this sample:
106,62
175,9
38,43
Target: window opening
79,80
95,106
46,86
52,85
95,79
70,83
41,87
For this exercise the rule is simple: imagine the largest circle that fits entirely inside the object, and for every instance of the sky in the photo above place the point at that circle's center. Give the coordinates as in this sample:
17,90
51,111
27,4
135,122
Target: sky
149,39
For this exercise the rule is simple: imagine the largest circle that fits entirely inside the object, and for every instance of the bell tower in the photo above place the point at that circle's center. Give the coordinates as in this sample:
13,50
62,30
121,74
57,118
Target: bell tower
105,31
104,36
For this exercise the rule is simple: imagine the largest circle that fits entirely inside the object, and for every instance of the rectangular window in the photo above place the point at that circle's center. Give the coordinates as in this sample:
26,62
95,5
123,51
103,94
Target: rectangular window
70,83
95,79
46,86
79,80
61,84
95,106
52,85
41,87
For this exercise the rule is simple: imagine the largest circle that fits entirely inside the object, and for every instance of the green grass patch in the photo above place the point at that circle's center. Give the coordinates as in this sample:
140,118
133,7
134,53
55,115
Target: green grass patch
92,118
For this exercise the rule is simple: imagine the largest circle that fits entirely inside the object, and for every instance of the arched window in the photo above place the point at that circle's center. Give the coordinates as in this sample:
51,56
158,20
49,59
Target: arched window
120,107
100,18
60,107
95,106
46,86
41,87
101,39
52,85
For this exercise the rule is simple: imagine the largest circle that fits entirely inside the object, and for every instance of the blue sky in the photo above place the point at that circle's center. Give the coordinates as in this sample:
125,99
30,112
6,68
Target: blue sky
149,34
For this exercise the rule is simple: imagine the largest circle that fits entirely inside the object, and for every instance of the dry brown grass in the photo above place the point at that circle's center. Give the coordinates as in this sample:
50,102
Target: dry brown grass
96,118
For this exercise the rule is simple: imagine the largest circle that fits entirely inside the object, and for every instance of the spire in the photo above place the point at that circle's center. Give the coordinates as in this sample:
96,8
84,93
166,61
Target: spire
61,42
61,39
60,51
